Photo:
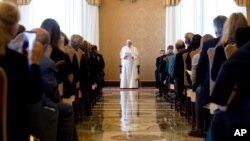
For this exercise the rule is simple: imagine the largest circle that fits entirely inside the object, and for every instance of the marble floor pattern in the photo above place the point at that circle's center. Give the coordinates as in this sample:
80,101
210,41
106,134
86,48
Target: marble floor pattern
134,115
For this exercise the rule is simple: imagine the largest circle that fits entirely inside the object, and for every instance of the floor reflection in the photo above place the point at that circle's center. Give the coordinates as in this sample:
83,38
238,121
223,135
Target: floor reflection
134,115
129,111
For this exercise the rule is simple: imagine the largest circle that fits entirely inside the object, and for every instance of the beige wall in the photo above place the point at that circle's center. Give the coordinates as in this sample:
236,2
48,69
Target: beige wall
143,22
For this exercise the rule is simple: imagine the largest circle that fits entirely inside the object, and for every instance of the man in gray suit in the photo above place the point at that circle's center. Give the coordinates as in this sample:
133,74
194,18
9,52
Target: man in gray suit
56,119
45,114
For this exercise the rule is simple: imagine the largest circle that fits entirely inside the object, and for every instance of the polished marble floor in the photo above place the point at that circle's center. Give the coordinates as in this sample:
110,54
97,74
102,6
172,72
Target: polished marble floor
134,115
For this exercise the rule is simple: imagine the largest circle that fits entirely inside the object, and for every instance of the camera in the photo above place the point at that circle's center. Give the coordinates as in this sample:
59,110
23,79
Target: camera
29,39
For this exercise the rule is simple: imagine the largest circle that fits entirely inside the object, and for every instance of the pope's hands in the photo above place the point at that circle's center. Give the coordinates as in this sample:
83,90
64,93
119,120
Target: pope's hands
126,57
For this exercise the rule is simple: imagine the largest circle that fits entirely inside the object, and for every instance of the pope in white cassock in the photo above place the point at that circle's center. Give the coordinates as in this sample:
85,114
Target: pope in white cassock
129,60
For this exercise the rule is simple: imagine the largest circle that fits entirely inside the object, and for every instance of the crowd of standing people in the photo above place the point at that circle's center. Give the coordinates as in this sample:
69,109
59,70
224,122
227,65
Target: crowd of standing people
215,69
44,73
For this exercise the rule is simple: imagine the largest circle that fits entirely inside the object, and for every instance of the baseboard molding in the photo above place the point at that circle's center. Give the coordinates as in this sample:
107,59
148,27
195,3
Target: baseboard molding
112,83
117,83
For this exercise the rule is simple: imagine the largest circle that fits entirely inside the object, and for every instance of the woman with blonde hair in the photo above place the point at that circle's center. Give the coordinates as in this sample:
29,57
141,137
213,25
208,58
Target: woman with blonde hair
23,75
235,21
9,16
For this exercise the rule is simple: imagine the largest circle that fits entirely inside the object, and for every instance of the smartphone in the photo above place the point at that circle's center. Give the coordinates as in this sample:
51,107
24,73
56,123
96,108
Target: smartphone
29,39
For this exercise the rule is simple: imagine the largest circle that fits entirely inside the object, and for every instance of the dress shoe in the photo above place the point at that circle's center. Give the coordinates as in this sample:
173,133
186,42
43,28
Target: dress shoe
196,134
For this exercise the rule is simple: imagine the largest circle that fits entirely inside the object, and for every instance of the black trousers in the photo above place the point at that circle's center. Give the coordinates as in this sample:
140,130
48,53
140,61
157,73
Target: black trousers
66,123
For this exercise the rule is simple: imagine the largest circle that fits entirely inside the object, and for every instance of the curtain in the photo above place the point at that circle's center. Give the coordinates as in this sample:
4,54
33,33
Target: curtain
172,25
91,23
73,16
179,21
242,2
170,2
22,2
196,16
94,2
19,2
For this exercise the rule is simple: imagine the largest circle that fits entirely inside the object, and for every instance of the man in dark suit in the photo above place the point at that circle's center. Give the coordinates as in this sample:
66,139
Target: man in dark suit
203,77
101,66
178,69
100,72
188,38
162,74
157,71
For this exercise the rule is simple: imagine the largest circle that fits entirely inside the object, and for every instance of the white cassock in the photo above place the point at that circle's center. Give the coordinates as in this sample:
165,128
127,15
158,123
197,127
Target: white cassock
129,75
